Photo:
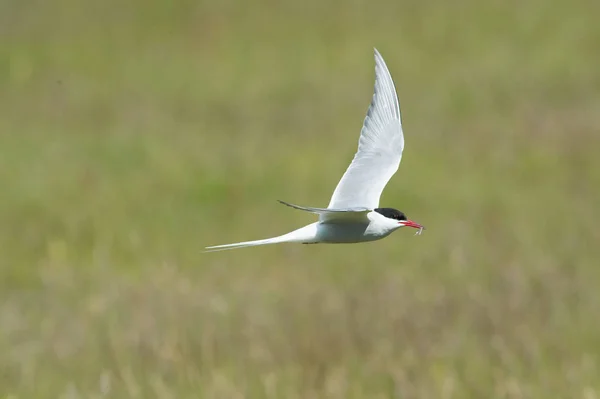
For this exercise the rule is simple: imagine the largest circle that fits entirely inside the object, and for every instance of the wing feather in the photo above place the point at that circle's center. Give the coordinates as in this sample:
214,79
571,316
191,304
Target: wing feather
379,148
327,215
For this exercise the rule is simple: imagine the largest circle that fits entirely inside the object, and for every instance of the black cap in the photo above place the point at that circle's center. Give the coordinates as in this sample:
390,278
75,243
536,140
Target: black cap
391,213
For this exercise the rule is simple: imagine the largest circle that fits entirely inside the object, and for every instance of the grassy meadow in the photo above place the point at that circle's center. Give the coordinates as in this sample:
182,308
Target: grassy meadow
135,133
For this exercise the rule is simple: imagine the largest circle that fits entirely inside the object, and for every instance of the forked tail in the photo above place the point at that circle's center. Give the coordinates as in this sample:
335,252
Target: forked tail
306,234
244,244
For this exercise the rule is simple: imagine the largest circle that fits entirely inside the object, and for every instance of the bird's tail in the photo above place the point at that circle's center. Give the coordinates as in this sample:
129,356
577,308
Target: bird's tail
306,234
244,244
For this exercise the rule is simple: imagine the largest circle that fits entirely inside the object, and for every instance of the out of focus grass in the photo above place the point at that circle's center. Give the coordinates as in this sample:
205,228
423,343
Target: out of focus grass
133,134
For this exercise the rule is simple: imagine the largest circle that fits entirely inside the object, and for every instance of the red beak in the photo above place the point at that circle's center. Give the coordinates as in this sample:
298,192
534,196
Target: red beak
410,223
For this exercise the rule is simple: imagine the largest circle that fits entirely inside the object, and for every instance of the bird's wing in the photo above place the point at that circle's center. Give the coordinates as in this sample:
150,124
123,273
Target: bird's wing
379,147
334,215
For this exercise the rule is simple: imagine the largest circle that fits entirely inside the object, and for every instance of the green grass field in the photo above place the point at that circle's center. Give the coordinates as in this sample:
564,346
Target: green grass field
133,134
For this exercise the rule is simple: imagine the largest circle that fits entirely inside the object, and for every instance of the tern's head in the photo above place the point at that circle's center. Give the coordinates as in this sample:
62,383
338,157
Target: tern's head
397,219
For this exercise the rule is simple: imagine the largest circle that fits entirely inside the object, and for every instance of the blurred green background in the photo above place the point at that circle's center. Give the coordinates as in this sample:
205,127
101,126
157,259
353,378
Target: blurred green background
135,133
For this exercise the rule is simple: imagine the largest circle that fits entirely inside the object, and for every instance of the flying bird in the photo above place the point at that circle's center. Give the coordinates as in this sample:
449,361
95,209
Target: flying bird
353,214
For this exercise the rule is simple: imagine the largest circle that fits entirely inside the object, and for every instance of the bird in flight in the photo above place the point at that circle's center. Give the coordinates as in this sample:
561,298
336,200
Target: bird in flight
353,214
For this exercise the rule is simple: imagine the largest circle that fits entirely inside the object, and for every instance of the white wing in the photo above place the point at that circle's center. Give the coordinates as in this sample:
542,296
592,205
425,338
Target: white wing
379,147
329,215
320,211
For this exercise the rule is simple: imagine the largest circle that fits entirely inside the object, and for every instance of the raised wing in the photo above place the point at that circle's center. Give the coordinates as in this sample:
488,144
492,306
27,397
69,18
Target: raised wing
379,148
328,215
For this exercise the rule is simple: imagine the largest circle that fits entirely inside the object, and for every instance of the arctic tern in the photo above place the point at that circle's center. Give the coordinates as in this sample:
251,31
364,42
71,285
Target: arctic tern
353,214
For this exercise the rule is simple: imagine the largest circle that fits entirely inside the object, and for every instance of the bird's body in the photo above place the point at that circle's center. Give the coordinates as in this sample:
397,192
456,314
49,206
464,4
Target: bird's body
373,227
353,214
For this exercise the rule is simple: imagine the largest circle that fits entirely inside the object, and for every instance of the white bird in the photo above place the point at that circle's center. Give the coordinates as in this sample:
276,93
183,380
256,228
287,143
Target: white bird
353,214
